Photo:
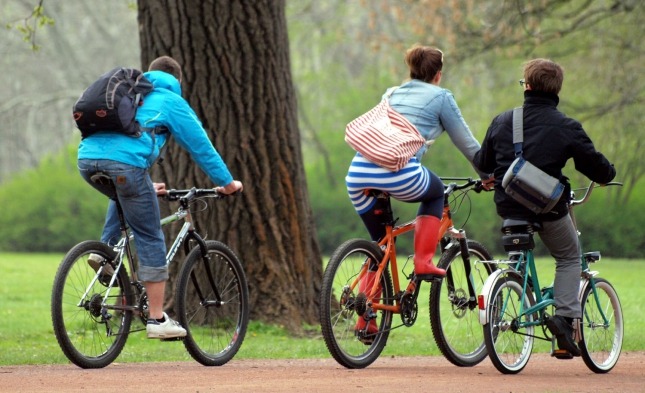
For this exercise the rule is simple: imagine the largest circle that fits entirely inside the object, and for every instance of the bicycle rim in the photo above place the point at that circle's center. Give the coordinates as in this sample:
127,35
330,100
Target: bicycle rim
90,336
454,315
509,347
602,339
216,329
338,314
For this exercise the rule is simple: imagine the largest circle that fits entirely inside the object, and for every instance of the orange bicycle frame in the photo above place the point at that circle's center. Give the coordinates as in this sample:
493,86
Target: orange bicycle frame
389,254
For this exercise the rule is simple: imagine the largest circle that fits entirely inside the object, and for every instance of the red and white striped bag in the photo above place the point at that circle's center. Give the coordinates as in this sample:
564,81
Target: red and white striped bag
384,137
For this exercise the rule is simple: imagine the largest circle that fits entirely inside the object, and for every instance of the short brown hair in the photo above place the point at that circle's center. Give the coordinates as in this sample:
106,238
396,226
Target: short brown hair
424,62
166,64
544,75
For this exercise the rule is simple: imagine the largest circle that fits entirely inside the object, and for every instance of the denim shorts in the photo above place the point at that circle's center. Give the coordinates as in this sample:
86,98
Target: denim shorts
138,200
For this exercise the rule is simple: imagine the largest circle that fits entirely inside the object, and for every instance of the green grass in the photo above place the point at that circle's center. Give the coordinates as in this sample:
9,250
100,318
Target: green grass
27,337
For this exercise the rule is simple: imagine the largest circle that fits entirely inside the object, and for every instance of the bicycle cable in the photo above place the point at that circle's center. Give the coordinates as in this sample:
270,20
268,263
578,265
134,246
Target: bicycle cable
458,199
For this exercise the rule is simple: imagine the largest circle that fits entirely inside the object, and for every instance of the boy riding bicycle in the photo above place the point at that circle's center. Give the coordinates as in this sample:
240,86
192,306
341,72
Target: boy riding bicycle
550,140
126,159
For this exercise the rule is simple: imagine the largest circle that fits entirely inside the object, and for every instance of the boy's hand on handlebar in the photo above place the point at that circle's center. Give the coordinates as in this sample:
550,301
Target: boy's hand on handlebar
160,188
230,188
489,183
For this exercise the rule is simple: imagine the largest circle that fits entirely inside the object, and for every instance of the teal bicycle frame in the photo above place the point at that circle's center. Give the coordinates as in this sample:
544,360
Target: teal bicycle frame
544,297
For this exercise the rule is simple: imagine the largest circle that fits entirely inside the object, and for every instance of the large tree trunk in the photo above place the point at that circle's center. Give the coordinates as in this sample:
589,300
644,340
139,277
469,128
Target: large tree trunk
237,77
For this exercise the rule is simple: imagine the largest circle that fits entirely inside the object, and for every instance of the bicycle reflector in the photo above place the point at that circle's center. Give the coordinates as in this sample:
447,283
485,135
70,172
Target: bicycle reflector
480,302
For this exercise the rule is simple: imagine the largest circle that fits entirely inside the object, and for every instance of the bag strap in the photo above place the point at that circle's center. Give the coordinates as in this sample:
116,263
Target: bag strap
392,91
518,130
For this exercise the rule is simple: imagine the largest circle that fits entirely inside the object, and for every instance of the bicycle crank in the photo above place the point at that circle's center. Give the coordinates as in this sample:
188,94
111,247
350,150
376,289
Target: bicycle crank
410,307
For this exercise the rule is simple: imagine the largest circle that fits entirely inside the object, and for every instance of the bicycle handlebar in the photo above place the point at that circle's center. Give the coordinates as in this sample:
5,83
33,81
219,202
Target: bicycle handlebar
590,188
470,183
186,195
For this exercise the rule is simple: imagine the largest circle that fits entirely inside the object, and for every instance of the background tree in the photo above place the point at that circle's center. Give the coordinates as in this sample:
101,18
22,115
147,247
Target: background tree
237,77
343,56
39,87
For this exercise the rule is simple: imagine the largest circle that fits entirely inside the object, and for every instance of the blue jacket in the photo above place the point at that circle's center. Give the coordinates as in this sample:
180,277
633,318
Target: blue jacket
164,106
432,110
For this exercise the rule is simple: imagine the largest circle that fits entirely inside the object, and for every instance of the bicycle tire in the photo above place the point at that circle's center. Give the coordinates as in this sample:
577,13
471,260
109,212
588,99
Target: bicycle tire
78,328
601,345
338,320
454,317
509,348
215,330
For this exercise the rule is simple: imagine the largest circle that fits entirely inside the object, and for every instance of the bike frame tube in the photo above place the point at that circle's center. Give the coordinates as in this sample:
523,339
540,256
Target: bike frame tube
123,247
178,241
390,255
446,229
541,302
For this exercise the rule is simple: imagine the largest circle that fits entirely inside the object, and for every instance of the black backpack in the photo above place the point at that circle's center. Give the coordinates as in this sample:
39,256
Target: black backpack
111,103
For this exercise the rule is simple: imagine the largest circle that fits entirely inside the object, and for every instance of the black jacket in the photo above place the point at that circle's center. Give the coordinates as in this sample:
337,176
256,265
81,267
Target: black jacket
550,140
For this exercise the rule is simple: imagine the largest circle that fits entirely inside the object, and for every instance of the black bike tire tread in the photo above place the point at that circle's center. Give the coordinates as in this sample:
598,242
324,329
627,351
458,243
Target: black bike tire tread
56,308
435,294
182,282
325,305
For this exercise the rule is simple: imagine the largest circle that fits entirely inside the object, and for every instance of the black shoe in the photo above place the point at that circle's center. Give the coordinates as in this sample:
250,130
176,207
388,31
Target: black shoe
563,332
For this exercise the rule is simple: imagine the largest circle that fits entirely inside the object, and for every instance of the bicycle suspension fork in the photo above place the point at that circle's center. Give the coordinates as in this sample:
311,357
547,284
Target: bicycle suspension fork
192,235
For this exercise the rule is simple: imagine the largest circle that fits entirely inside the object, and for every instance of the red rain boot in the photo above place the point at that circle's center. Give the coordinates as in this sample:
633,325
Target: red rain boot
426,237
365,285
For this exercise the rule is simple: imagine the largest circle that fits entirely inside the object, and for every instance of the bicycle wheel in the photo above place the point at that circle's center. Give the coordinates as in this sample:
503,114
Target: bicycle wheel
454,315
509,345
602,339
90,336
216,326
338,315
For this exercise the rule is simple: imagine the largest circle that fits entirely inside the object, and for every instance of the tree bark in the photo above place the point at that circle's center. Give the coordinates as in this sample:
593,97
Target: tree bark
237,78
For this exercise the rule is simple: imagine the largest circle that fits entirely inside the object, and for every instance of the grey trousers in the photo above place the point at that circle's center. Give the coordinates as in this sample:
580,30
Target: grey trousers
561,239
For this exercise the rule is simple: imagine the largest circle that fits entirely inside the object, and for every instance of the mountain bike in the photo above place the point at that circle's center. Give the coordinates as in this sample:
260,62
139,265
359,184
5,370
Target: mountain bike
453,300
92,312
514,308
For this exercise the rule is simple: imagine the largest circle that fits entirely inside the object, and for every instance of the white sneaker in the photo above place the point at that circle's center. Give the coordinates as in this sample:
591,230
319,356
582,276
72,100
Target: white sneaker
166,329
96,261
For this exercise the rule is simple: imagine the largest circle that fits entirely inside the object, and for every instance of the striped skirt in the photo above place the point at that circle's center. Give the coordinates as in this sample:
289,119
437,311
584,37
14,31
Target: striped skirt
408,185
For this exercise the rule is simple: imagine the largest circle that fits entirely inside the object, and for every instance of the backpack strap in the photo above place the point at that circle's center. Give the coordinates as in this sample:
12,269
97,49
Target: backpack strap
157,130
518,130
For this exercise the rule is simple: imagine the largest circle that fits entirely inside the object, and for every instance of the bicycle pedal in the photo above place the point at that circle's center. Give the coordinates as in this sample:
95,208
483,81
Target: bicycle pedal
562,354
172,339
429,278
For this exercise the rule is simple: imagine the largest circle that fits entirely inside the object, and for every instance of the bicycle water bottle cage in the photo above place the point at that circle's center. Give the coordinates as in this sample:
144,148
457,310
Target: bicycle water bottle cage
518,234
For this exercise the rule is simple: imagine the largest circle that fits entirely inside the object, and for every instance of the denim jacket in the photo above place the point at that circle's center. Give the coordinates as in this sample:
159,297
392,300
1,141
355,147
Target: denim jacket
433,110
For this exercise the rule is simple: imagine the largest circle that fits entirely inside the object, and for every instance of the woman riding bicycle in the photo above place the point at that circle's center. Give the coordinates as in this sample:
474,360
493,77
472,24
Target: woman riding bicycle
431,109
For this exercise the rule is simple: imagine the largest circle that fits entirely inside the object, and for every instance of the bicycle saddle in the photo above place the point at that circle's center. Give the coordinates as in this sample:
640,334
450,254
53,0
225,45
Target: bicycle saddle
101,178
520,226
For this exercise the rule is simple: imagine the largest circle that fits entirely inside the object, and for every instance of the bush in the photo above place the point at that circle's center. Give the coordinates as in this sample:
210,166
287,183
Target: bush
50,208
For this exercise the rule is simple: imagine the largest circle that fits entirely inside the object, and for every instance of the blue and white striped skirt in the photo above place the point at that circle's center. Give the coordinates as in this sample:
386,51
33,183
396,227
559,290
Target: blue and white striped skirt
408,185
